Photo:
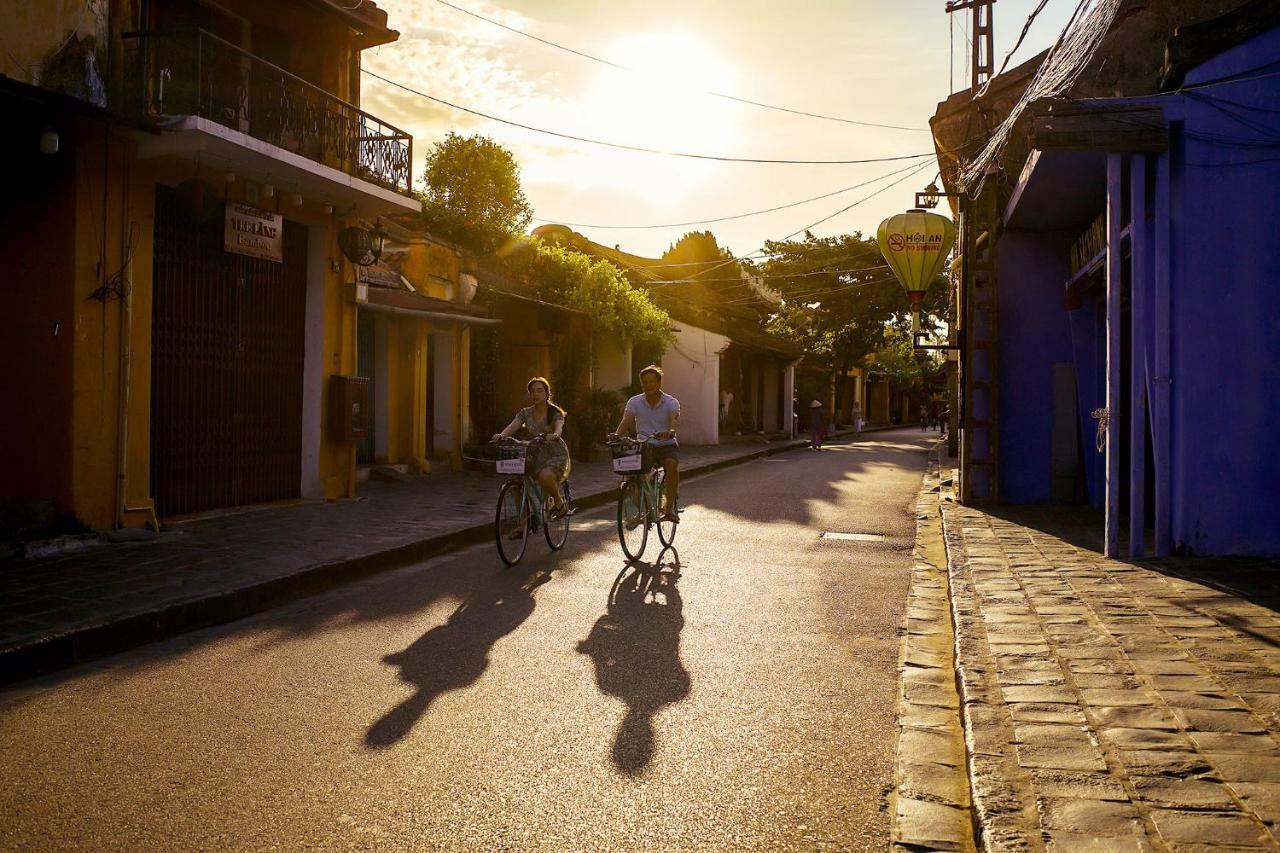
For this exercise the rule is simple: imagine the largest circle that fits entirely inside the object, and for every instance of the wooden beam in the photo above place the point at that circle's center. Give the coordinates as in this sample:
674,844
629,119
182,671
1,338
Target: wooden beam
1117,130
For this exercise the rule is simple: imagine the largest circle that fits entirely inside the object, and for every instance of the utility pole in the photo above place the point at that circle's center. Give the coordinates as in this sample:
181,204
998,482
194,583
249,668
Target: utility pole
977,387
983,62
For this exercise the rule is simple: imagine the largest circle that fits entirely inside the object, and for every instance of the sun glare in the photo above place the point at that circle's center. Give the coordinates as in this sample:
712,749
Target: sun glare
662,105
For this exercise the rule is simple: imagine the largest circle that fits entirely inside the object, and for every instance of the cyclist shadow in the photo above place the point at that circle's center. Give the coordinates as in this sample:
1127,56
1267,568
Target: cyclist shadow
454,655
635,646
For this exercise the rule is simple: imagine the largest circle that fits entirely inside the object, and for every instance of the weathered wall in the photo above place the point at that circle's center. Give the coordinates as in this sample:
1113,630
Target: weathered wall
1225,310
57,44
692,375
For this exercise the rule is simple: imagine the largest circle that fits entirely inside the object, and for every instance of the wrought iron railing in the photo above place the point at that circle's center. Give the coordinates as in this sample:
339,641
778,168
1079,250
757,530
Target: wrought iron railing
197,73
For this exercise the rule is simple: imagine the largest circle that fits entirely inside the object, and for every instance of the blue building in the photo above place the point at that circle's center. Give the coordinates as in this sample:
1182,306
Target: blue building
1120,295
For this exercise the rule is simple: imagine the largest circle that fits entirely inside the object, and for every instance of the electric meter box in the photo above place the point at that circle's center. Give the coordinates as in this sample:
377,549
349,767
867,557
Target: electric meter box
349,408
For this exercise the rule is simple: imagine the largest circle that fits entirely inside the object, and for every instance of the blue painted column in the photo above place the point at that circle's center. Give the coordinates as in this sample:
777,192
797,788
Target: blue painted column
1115,261
1161,378
1138,330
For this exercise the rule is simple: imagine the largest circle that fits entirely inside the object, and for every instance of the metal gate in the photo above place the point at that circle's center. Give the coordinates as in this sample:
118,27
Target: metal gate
226,366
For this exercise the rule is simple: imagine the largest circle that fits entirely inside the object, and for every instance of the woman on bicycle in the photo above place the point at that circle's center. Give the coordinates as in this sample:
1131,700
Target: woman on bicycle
544,418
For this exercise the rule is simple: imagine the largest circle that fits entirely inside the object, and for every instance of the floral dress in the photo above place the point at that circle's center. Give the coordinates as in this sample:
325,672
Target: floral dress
554,454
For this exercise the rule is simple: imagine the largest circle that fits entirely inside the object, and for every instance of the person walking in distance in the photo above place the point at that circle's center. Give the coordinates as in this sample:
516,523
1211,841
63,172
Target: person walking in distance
817,424
654,415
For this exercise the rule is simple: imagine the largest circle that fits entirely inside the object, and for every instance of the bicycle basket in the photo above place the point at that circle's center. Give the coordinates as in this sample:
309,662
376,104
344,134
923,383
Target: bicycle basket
512,459
626,458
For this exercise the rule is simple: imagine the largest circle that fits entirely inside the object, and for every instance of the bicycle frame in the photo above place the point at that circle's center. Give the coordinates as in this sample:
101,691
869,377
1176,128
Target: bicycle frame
649,491
531,496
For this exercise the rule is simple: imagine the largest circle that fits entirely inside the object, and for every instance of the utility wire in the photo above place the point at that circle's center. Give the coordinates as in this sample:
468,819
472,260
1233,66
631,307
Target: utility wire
639,148
761,251
631,70
734,216
769,276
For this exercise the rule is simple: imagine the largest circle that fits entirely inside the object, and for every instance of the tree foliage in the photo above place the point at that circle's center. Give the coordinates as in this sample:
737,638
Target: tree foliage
471,193
564,277
840,300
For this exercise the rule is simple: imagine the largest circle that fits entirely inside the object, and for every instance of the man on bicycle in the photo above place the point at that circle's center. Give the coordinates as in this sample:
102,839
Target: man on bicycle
655,416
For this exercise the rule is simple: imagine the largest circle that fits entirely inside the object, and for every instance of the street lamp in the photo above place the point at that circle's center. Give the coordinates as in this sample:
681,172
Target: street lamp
928,199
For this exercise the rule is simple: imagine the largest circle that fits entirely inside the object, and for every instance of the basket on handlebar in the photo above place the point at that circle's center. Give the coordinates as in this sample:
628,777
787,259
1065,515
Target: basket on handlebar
626,457
513,459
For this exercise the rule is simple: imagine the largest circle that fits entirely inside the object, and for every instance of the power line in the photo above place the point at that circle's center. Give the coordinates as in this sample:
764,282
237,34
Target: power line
631,70
641,149
748,279
761,252
734,216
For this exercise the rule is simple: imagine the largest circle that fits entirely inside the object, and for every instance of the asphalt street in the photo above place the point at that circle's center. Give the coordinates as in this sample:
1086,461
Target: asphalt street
736,692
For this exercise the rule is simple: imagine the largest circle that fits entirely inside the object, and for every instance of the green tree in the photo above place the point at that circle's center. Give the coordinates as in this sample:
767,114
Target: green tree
840,299
565,277
471,193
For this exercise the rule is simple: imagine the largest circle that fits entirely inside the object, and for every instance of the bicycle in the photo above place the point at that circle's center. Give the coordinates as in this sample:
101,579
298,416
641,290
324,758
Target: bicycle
639,498
522,506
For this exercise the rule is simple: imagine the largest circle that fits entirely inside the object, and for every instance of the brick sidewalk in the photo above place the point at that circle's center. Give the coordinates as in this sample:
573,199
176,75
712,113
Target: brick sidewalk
61,610
1112,705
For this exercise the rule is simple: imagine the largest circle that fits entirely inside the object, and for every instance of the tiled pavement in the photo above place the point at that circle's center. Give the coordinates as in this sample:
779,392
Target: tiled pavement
60,610
1110,705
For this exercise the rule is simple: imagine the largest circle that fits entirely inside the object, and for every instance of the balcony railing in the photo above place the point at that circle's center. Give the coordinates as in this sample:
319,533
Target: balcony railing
196,73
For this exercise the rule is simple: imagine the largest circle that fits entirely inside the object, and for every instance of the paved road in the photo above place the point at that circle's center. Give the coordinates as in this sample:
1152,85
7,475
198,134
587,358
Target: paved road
739,694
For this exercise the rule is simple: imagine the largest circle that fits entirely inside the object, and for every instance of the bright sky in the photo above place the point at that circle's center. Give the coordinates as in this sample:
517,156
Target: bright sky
857,59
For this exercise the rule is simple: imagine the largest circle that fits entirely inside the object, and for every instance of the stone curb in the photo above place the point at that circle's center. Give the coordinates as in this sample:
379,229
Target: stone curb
96,641
931,803
1003,801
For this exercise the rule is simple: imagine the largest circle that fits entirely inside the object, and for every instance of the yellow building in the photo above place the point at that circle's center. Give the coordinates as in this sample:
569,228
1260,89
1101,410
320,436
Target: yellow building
176,297
414,334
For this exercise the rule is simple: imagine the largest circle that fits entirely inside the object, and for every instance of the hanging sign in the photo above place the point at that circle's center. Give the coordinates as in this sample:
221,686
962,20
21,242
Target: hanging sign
254,232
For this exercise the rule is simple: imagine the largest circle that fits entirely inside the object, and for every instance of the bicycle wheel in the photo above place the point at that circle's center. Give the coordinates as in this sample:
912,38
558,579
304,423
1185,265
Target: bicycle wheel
557,529
666,529
511,523
633,519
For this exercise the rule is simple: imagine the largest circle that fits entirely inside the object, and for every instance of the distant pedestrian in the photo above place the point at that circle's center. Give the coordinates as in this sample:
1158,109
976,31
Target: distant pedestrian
817,425
924,417
857,418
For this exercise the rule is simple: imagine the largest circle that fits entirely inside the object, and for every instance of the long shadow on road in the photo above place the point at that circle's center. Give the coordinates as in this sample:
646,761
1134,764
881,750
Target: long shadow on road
454,655
635,646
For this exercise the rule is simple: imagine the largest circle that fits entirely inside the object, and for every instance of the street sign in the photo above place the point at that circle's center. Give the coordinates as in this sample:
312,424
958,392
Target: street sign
254,232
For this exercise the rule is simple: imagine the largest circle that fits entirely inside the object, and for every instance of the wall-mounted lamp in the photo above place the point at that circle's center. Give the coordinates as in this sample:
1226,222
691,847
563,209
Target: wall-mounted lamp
362,246
49,141
328,209
268,191
296,199
928,199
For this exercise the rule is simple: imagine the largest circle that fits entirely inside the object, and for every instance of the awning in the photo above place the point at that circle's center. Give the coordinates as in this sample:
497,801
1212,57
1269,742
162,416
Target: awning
404,303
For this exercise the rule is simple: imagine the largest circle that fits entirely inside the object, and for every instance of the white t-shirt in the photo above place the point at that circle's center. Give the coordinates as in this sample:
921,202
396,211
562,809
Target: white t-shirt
653,419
